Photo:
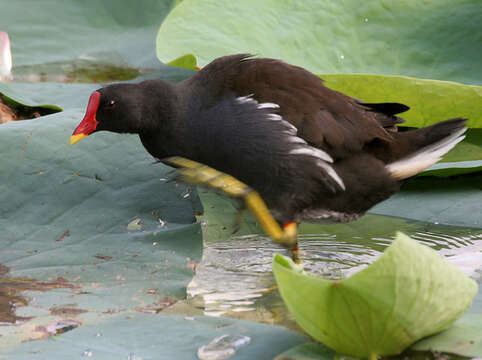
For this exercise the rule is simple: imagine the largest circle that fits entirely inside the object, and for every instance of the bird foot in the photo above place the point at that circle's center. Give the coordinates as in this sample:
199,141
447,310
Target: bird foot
199,174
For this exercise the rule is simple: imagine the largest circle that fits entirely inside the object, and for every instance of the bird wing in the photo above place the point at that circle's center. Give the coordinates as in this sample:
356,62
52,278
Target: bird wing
258,147
325,118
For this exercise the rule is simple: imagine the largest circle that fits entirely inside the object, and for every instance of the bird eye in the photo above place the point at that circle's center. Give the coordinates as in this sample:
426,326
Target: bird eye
110,104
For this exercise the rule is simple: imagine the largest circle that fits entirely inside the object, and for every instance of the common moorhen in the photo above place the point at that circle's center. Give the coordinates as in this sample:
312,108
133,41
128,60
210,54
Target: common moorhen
312,153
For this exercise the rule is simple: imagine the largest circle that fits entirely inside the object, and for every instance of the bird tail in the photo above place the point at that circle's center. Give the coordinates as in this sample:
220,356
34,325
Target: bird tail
426,146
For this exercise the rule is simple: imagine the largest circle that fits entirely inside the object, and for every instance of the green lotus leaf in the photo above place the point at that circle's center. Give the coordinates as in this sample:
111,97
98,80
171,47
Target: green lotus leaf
18,104
447,169
431,40
309,351
408,293
430,101
116,32
187,61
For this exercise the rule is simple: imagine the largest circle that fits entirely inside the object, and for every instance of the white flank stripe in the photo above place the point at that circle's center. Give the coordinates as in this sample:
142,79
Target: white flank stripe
424,158
296,140
275,117
246,99
268,106
330,171
290,132
290,126
311,151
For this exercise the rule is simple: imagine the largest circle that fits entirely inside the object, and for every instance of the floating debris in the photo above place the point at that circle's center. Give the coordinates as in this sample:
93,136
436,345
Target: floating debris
67,310
87,353
59,327
135,224
222,347
103,257
63,236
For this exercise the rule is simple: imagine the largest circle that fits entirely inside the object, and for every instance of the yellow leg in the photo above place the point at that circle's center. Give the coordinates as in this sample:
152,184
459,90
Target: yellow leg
198,174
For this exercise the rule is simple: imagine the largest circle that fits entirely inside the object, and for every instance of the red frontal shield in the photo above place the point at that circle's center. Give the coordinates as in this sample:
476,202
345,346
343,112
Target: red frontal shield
89,123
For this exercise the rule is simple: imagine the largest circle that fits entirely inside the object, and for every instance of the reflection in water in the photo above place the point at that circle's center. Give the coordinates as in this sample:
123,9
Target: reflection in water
232,275
461,250
235,279
97,68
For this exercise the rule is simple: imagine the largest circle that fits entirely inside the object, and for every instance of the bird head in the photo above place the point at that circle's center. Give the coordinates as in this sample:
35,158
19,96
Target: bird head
112,108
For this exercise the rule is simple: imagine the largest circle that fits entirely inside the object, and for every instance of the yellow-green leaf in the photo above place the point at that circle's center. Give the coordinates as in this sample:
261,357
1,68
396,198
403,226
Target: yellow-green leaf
408,293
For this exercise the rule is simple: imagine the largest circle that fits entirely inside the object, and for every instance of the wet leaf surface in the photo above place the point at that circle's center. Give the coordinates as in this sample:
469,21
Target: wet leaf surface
112,32
142,336
64,215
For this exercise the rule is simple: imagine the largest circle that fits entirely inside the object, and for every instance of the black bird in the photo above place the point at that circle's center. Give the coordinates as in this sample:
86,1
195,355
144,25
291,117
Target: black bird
312,153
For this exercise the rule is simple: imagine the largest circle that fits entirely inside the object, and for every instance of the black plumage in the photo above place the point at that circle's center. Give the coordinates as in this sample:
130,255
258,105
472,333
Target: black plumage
312,153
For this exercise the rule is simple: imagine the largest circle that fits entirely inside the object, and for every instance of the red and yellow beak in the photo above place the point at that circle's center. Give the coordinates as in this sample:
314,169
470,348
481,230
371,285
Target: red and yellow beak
89,123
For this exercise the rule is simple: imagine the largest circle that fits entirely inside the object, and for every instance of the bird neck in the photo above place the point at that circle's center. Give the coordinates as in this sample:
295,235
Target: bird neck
158,112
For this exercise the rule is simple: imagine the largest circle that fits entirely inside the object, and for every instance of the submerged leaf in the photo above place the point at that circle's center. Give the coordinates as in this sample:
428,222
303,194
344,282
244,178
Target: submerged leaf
408,293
